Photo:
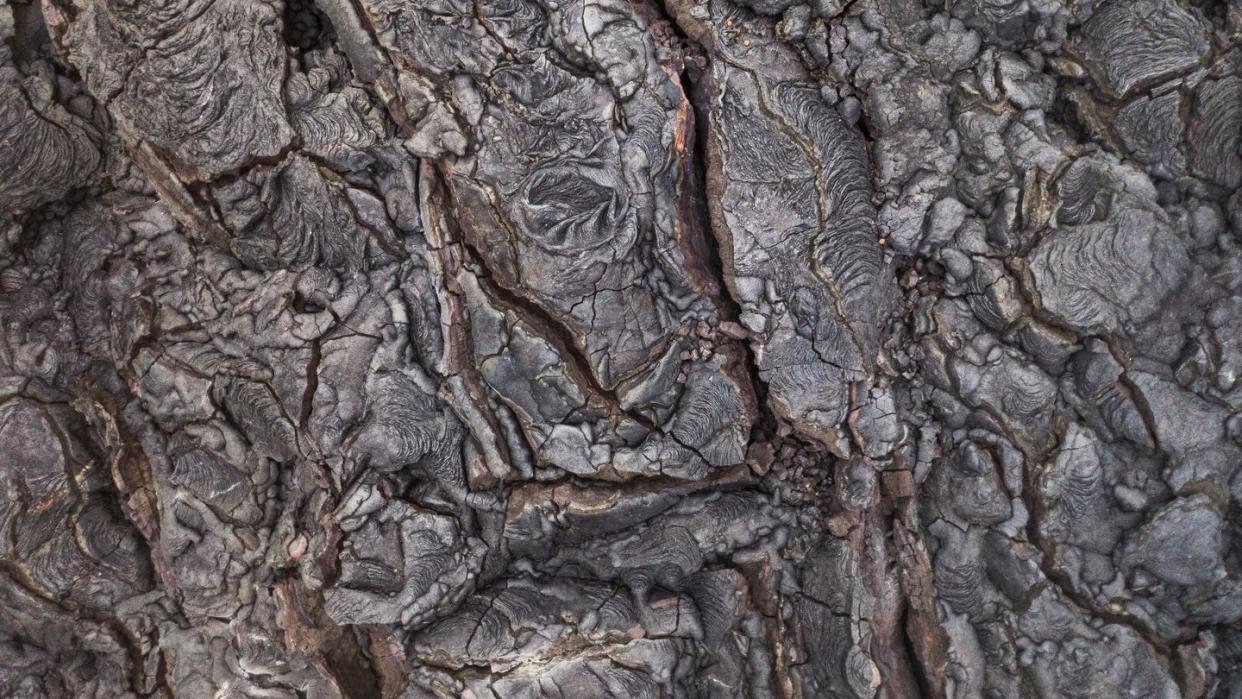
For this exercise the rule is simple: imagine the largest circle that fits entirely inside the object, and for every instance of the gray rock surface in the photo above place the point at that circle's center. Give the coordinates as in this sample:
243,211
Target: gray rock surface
633,348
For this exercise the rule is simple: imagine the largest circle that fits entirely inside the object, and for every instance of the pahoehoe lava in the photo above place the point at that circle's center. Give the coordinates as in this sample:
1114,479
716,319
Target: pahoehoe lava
505,349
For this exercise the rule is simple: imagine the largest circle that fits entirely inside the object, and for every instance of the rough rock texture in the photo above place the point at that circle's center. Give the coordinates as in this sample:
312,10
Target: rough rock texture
633,348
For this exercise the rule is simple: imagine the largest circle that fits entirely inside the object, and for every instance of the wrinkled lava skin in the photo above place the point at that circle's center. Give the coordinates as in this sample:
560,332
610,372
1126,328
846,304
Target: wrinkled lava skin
621,348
